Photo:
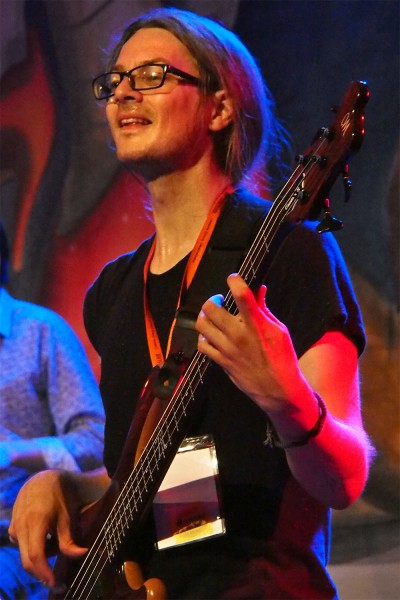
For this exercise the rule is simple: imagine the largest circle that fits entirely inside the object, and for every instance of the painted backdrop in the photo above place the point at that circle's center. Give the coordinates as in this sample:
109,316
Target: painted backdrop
69,207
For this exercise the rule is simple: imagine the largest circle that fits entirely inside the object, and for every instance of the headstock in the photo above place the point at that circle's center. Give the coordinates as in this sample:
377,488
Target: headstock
326,158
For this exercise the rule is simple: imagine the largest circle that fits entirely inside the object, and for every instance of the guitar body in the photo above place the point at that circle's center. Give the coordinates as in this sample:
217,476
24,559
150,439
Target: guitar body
115,579
103,574
117,582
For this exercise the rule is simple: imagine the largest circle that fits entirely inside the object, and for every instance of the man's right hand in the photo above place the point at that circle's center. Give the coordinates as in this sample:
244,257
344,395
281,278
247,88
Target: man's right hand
42,510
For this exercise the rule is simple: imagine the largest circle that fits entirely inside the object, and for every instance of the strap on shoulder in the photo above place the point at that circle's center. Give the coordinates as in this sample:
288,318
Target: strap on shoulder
239,221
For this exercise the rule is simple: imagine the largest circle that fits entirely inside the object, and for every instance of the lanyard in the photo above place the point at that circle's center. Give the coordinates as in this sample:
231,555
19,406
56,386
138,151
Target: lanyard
153,342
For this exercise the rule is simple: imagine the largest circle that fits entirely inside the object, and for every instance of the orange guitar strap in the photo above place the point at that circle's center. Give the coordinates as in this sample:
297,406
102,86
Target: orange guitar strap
156,353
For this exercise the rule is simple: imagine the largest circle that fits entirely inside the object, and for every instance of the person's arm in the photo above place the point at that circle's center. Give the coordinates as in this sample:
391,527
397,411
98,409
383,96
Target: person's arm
256,351
45,506
63,380
73,400
48,500
22,453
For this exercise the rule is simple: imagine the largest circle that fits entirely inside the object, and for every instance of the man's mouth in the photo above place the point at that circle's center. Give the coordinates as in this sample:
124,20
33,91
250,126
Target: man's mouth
133,121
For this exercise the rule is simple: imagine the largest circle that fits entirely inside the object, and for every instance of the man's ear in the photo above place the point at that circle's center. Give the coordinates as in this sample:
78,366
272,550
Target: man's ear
222,111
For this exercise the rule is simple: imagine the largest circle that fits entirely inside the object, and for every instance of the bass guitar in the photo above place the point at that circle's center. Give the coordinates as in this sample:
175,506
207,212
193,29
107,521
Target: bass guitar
164,414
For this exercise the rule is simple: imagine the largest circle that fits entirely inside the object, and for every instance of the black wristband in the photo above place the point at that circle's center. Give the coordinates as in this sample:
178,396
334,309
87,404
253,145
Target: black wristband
275,441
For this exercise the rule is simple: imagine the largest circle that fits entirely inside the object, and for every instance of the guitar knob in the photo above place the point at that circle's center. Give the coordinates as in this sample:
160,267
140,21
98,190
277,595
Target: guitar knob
303,196
325,132
328,223
302,159
319,160
179,357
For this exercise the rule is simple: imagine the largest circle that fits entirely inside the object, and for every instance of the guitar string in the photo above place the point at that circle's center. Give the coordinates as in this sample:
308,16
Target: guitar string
139,478
146,468
146,457
252,268
252,264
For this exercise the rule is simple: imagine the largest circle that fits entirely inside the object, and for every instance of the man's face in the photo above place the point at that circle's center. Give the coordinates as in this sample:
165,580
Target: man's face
165,130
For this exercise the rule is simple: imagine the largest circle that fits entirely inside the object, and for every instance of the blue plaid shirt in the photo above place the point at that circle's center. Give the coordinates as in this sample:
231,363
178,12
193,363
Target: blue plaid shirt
47,392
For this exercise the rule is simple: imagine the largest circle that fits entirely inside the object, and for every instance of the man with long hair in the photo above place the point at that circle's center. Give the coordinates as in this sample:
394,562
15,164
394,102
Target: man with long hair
191,116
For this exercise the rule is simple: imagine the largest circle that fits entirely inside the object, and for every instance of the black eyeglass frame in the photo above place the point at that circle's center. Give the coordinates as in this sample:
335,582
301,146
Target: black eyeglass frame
166,69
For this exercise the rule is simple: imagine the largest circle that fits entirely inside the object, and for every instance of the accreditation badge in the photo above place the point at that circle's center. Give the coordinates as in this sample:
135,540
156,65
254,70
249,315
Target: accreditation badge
187,507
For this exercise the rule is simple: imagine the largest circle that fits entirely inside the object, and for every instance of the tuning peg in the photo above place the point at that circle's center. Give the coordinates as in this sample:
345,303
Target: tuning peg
323,132
347,183
319,160
302,159
328,223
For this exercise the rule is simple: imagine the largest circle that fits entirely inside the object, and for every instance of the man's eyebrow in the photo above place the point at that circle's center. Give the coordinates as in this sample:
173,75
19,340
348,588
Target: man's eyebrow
143,63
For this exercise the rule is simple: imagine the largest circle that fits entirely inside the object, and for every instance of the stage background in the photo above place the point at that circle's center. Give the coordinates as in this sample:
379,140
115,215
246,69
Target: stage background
69,207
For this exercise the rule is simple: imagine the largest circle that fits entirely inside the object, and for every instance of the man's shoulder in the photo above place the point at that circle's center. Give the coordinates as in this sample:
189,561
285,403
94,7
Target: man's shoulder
116,276
246,200
38,315
28,320
241,216
119,268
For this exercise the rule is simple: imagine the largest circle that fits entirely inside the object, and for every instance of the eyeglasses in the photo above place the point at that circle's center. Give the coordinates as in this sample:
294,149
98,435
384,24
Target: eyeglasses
145,77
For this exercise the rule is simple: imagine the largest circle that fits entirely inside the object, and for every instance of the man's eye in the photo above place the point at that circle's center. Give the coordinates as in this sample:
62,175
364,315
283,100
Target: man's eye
114,81
148,77
154,76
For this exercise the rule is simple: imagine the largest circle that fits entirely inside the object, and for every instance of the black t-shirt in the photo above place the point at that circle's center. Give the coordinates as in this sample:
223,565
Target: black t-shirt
309,290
